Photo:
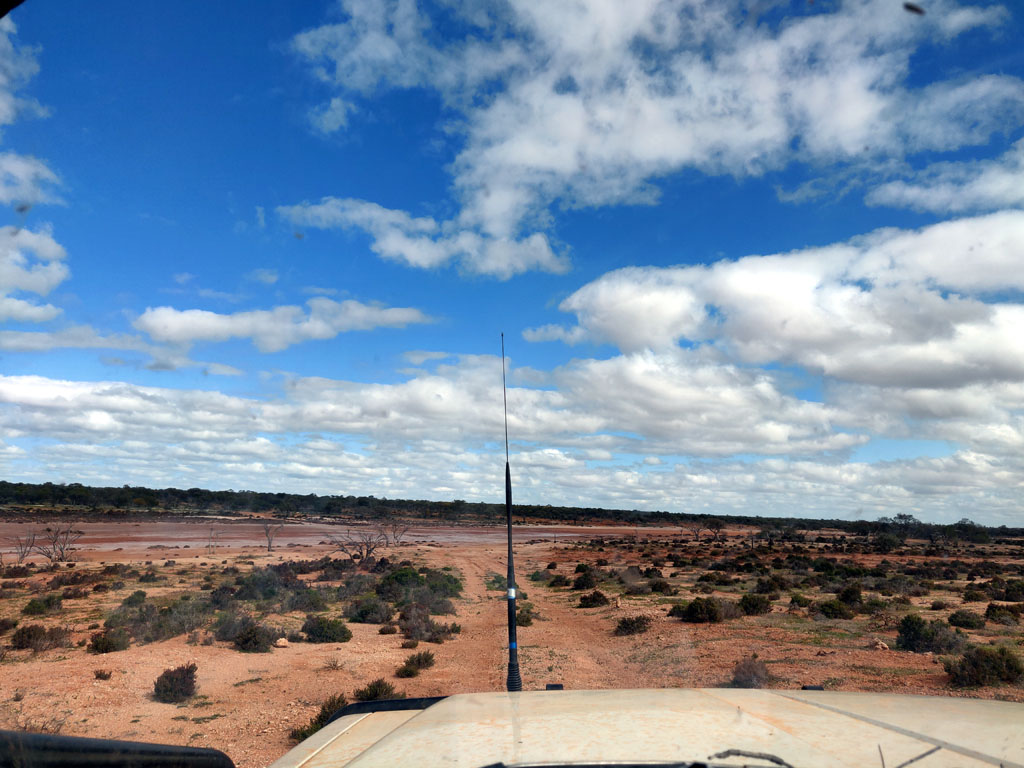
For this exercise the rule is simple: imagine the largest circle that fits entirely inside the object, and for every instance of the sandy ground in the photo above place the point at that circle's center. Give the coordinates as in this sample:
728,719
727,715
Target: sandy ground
249,702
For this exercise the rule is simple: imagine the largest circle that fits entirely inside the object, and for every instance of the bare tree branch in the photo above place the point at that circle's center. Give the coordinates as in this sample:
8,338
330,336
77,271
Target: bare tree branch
360,544
270,530
24,546
396,532
58,545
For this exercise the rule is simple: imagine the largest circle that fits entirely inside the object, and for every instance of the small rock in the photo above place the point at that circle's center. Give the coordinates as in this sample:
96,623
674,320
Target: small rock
878,645
281,642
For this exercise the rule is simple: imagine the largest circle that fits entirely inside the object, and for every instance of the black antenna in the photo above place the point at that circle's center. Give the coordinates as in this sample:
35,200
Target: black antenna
513,682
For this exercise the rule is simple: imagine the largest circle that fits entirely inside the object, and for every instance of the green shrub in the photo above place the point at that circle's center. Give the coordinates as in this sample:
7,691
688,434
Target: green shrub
136,598
850,594
701,610
406,671
559,580
1004,614
320,629
6,625
369,610
377,690
308,600
974,596
254,638
661,586
328,708
388,629
633,625
966,619
37,606
939,605
755,605
586,580
834,609
109,641
593,599
920,636
177,684
984,665
421,660
801,601
750,673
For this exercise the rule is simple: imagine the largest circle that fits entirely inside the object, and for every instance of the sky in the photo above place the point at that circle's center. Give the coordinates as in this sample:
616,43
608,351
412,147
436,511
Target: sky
748,257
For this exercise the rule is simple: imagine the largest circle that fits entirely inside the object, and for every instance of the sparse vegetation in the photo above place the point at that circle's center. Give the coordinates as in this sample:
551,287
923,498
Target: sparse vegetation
376,690
109,641
633,625
750,673
966,619
593,599
321,629
984,665
102,674
327,708
920,636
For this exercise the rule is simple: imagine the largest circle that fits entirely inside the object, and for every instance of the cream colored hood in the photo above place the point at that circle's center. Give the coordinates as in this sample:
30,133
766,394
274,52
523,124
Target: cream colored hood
805,729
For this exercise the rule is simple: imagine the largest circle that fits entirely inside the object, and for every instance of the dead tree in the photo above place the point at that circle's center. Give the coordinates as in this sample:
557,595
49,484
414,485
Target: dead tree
396,531
24,546
270,531
358,545
211,545
58,543
695,529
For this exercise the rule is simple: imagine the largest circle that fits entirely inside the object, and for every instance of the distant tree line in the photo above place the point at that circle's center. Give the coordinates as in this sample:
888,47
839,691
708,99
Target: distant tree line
127,499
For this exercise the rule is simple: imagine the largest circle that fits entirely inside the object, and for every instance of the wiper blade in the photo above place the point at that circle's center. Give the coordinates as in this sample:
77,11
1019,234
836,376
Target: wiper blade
755,755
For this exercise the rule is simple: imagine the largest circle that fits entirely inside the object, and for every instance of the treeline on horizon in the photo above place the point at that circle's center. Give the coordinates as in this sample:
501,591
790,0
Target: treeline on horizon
124,500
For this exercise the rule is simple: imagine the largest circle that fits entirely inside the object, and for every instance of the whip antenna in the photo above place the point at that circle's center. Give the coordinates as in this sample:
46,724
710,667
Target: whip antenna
513,682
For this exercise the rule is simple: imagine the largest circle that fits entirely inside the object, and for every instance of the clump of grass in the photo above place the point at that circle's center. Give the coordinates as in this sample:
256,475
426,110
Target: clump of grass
750,673
388,629
109,641
410,643
415,663
333,664
39,638
633,625
524,615
176,684
102,674
377,690
327,708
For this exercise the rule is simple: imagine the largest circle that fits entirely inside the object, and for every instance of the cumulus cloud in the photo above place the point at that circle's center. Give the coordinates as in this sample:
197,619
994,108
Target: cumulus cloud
30,263
895,307
423,242
976,185
588,104
274,329
265,276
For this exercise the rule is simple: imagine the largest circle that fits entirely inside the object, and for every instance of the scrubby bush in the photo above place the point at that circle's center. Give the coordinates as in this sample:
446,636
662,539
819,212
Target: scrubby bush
102,674
984,665
801,601
321,629
415,663
38,638
661,586
581,568
388,629
633,625
6,625
755,605
750,673
834,609
966,619
410,644
700,610
109,641
920,636
593,599
586,580
524,615
552,566
1004,614
939,605
369,610
38,606
850,594
177,684
254,638
559,580
307,600
328,708
377,690
136,598
974,596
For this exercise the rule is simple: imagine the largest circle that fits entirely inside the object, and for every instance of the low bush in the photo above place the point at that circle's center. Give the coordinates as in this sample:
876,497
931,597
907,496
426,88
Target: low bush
939,605
750,673
552,566
586,580
6,625
388,629
633,625
307,600
559,580
136,598
320,629
700,610
415,663
410,643
177,684
920,636
328,708
369,610
661,586
755,605
253,638
524,615
966,619
377,690
38,638
800,601
593,599
39,606
984,665
102,674
109,641
1004,614
850,594
834,609
974,596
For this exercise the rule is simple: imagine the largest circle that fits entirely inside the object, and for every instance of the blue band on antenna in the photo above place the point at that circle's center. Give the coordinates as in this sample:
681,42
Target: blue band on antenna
513,645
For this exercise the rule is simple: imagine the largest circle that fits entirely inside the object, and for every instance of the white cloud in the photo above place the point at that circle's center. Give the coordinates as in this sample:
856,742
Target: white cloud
181,278
30,262
976,185
588,104
265,276
25,180
422,242
332,116
275,329
892,308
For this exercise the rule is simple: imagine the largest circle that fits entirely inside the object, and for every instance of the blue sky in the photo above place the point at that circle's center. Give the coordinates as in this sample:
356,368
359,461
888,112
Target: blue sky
748,257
